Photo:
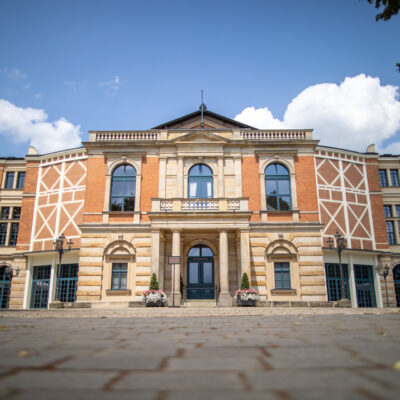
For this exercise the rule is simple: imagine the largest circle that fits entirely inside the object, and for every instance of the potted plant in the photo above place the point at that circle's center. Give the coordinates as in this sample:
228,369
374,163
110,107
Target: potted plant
245,296
154,296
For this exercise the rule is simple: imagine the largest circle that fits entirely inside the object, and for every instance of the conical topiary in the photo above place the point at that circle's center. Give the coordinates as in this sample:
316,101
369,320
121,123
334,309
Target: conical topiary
245,282
153,282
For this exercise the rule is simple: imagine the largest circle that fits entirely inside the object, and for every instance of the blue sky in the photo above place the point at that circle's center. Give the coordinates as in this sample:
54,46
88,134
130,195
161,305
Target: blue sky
127,65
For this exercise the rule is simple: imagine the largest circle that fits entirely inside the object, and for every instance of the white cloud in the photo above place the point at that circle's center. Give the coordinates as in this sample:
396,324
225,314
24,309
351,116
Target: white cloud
14,73
30,125
112,84
38,95
358,112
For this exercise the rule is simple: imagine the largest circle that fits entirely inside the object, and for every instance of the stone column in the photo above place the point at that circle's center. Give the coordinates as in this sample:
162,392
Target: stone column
155,252
225,298
161,268
176,251
221,189
245,254
179,177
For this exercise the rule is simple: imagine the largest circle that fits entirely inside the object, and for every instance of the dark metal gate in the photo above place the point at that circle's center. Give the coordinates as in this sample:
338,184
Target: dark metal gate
5,285
365,287
333,281
40,286
67,283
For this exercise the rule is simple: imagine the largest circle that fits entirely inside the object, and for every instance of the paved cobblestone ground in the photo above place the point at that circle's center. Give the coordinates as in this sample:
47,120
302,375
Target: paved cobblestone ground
200,353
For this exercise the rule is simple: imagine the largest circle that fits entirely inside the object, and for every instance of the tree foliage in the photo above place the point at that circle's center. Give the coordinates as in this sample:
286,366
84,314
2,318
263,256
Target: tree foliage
391,7
153,282
245,282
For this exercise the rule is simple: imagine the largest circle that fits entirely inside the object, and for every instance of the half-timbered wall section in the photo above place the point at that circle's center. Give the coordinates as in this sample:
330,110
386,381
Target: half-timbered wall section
59,199
344,201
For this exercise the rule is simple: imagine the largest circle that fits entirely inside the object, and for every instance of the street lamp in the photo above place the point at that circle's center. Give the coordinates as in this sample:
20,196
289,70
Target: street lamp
340,245
59,247
385,273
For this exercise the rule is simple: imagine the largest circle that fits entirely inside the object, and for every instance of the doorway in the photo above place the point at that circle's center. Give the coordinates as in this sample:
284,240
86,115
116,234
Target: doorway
200,273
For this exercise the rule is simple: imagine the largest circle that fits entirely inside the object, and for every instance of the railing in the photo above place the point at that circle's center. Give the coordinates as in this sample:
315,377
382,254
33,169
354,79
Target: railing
128,136
276,135
189,205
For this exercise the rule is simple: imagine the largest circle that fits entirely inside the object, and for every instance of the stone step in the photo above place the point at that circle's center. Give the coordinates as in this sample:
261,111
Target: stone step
200,303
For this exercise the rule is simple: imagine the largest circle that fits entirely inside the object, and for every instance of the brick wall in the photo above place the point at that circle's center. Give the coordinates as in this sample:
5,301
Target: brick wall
251,185
95,188
28,205
149,187
306,188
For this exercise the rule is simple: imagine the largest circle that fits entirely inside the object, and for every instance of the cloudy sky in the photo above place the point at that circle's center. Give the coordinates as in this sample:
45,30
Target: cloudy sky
67,67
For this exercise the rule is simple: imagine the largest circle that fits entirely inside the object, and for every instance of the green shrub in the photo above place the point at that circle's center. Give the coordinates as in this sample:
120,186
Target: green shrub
153,282
245,282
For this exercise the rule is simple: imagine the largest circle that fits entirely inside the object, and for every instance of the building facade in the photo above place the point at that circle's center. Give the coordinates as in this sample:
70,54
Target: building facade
223,196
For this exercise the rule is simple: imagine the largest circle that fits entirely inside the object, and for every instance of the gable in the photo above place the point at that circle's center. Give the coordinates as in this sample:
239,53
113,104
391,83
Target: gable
200,137
211,121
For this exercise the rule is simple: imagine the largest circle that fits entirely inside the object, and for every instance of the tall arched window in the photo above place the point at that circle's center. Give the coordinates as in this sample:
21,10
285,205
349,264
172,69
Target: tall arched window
123,188
200,182
277,188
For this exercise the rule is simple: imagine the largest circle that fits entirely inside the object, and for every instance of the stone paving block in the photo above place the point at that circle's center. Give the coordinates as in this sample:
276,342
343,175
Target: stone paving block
109,362
311,357
326,394
27,380
220,395
184,380
87,394
380,352
306,379
31,357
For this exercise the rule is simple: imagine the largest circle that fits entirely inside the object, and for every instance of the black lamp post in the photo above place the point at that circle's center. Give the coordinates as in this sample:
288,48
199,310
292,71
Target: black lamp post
59,247
385,273
340,245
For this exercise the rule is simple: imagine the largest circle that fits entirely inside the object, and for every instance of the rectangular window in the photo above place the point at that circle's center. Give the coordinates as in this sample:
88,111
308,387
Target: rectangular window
282,275
10,180
13,234
3,234
397,210
390,232
16,212
20,180
119,276
383,177
5,212
394,176
388,211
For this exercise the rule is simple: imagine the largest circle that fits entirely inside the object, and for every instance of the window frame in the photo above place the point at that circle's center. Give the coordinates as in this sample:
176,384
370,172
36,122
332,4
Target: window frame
390,232
387,210
21,173
7,180
201,181
120,272
281,268
13,237
278,178
383,179
125,179
8,213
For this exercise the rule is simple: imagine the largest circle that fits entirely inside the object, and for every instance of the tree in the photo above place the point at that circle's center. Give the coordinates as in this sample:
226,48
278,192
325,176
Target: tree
392,7
153,282
245,282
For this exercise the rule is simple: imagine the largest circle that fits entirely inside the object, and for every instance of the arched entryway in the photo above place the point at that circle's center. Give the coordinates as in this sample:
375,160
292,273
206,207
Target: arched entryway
200,273
396,280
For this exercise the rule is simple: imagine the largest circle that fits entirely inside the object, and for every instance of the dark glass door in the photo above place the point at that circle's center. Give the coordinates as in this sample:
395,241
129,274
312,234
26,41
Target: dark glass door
5,284
365,286
40,286
200,273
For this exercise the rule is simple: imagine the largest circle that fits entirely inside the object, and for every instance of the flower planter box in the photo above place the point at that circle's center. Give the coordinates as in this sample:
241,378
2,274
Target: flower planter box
158,303
246,303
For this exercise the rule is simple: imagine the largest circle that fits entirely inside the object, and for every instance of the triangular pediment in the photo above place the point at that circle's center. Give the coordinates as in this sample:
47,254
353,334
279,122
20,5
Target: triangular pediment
210,121
200,137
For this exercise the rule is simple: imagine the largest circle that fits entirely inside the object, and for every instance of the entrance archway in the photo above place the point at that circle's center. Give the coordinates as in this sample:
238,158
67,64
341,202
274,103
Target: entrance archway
200,273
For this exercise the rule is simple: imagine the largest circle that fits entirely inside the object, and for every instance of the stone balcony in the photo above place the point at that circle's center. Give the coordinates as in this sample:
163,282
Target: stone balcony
200,205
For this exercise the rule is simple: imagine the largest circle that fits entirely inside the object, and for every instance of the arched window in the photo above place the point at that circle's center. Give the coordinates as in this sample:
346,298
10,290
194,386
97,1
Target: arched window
200,182
277,188
123,188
